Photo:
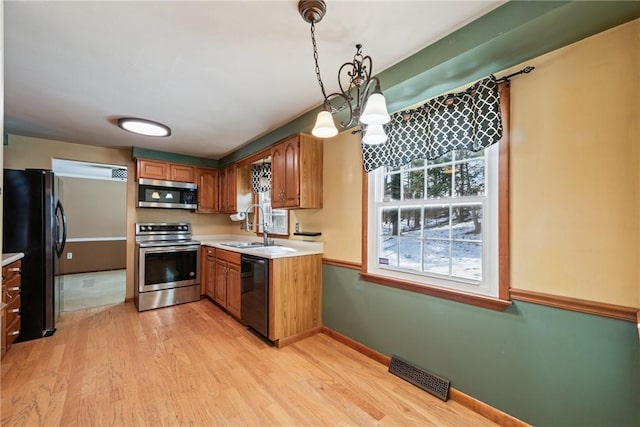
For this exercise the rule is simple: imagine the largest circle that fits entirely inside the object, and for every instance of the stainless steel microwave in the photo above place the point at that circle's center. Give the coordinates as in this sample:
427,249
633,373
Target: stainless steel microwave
167,194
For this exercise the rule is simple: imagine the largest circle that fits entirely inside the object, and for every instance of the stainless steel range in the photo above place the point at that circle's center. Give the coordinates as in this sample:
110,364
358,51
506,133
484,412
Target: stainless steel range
167,267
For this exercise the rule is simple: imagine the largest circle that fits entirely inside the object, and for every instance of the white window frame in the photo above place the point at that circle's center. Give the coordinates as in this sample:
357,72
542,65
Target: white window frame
489,285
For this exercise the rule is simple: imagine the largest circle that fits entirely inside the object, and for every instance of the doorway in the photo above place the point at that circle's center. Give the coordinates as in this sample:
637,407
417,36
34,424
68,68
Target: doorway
91,269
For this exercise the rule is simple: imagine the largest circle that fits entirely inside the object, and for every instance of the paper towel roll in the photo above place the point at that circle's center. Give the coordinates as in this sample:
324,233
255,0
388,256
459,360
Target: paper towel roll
239,216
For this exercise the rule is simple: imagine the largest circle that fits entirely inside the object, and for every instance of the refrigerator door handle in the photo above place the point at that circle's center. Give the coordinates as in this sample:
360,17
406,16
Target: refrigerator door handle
61,244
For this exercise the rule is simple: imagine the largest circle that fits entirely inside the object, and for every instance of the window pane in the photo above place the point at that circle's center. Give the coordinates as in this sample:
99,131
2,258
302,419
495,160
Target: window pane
467,222
470,178
436,256
418,163
410,221
436,222
410,254
413,185
442,159
389,222
438,182
469,154
388,251
392,187
467,260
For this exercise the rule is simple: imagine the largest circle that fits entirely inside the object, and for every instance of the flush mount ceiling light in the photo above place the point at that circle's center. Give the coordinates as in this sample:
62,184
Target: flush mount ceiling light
369,109
143,126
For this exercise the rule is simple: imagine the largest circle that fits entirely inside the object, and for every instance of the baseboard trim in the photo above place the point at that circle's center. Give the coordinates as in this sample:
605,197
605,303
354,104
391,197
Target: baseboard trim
283,342
477,406
360,348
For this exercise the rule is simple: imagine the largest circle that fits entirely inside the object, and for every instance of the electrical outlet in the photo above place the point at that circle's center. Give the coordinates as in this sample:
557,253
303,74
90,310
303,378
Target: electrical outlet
297,227
69,255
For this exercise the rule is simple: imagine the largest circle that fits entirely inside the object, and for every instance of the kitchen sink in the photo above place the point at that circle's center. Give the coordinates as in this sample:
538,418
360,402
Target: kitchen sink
241,245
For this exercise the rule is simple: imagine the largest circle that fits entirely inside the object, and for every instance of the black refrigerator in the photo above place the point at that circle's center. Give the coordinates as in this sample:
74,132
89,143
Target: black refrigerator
34,223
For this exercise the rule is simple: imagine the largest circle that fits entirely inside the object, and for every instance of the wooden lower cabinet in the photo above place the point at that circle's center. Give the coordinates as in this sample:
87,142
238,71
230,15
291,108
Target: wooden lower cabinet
209,270
11,286
295,297
226,286
295,291
220,282
233,289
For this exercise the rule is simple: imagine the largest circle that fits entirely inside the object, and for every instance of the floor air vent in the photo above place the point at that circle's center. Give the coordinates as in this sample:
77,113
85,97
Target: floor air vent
424,379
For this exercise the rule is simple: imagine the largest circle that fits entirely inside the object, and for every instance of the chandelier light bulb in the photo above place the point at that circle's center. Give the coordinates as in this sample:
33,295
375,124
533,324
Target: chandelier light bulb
374,135
324,127
375,112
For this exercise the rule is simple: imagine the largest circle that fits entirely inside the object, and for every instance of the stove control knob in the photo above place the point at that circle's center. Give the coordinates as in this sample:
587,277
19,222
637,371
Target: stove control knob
142,228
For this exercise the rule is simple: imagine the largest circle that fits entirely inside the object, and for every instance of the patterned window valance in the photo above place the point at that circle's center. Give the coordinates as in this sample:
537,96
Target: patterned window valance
466,120
261,177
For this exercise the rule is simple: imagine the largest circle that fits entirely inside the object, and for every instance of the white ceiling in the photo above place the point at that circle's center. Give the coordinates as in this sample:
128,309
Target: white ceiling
219,73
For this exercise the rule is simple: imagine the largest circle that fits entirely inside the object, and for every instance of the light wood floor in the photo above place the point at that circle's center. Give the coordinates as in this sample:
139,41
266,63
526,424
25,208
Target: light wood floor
194,365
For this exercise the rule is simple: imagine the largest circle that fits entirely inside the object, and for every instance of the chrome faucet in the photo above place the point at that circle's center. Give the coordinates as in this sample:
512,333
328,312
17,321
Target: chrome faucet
265,226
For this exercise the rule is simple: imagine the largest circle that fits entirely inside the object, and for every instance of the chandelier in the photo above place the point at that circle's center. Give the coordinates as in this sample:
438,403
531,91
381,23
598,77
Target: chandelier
366,107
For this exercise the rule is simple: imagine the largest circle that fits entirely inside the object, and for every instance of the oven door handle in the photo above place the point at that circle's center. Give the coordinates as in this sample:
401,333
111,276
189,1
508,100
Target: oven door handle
164,249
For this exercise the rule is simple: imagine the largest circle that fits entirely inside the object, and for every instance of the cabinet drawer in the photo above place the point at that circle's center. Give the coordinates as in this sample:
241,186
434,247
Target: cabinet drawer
11,290
13,309
11,271
210,252
13,330
232,257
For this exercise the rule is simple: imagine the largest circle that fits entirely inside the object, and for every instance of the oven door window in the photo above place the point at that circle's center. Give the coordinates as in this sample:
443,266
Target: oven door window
170,267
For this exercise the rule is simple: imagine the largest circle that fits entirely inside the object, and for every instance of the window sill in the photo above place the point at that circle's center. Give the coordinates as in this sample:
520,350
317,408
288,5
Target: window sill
458,296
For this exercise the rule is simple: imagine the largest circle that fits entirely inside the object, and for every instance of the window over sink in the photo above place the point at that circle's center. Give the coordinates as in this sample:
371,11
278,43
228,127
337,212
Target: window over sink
277,219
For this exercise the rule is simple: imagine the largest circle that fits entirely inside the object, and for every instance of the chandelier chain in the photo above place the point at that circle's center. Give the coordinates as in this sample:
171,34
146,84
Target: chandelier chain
315,58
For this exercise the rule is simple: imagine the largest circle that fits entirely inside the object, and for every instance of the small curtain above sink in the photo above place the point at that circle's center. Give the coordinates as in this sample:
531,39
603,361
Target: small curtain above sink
261,177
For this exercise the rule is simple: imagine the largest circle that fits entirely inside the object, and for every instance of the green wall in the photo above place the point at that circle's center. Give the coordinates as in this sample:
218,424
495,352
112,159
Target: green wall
545,366
165,156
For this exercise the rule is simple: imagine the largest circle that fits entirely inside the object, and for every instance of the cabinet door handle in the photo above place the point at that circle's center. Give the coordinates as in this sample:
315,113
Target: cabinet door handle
15,269
15,310
15,333
14,289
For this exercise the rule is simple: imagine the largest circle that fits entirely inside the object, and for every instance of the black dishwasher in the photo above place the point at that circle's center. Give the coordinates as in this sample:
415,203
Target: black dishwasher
254,302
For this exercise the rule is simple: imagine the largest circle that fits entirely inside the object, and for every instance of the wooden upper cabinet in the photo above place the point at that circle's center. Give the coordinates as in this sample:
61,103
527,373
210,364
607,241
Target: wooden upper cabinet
181,173
208,195
296,173
228,196
165,171
152,169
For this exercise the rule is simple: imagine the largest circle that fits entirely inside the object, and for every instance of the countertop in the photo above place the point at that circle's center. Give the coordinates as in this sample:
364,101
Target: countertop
11,257
300,248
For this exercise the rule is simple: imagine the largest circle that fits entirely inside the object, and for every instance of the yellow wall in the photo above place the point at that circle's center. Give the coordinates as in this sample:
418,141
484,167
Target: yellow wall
575,179
340,219
26,152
